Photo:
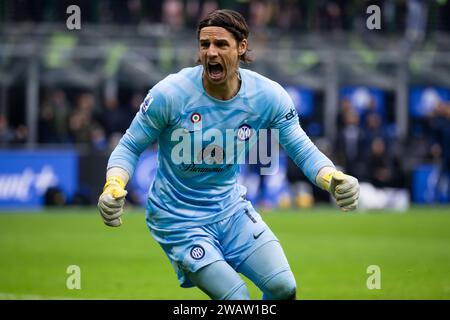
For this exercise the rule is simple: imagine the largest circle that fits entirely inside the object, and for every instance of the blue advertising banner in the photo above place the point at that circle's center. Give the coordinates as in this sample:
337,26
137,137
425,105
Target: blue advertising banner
25,176
364,99
423,100
430,185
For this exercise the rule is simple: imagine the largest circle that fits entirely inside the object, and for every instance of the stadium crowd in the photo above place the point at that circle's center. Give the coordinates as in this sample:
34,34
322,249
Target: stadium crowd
367,148
311,15
364,146
83,122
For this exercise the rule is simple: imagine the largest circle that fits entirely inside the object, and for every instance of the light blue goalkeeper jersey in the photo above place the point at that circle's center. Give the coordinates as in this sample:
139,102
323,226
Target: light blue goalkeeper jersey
188,190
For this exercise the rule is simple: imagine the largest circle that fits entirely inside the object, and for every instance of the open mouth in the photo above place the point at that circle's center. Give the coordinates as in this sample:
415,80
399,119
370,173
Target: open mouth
215,70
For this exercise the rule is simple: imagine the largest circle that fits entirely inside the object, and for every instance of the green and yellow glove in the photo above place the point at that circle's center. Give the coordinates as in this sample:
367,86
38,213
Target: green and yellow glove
112,200
343,187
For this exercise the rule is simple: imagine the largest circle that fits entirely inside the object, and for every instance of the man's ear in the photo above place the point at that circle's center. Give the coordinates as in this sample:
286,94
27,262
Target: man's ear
242,47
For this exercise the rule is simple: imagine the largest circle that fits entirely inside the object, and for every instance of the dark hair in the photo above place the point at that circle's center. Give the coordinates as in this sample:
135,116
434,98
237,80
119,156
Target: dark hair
230,20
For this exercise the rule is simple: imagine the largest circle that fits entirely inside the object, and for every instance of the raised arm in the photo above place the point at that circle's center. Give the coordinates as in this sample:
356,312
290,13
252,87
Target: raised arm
317,167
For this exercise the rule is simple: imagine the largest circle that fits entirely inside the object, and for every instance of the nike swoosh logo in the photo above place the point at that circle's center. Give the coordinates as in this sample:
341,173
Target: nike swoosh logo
256,236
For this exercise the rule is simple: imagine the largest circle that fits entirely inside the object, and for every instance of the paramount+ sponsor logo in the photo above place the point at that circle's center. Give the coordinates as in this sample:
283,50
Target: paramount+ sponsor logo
217,150
21,186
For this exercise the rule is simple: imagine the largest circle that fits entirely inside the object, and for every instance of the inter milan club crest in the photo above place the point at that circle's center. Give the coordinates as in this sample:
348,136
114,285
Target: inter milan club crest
197,252
196,117
244,132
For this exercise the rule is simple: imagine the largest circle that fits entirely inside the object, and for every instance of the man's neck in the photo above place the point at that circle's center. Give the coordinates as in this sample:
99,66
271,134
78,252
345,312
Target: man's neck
223,91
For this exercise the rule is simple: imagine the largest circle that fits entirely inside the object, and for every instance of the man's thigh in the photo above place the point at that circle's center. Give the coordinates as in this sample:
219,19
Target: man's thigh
188,250
220,282
269,270
242,234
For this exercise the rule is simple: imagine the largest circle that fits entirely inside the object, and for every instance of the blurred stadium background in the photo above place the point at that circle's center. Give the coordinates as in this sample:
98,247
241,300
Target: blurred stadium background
377,102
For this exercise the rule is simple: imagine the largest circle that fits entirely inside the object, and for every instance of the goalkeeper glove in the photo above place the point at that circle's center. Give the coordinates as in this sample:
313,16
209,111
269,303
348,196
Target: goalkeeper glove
344,188
112,200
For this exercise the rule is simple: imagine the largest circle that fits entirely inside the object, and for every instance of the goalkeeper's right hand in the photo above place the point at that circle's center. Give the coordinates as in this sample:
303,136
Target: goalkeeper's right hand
112,200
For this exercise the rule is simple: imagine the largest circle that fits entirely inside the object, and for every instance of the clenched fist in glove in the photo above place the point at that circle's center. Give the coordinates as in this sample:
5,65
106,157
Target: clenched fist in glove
344,188
112,200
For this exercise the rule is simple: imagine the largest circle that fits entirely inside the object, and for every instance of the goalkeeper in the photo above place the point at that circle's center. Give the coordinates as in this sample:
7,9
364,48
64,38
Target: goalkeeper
197,211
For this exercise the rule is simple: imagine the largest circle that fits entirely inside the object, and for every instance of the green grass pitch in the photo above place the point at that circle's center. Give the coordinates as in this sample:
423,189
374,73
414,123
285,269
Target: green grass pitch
329,253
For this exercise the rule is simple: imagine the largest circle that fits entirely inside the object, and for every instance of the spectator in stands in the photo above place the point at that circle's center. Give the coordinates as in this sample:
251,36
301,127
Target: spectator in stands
331,16
207,7
114,118
288,15
260,15
47,132
440,126
21,134
383,170
126,12
86,103
82,120
440,146
350,142
6,133
53,118
99,142
173,14
345,107
79,128
373,129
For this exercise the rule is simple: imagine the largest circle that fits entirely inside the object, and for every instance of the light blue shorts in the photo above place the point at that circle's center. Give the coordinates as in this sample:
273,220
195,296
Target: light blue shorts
232,240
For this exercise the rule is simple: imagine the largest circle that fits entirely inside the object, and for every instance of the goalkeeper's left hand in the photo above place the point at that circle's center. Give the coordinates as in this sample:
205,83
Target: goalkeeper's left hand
343,187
